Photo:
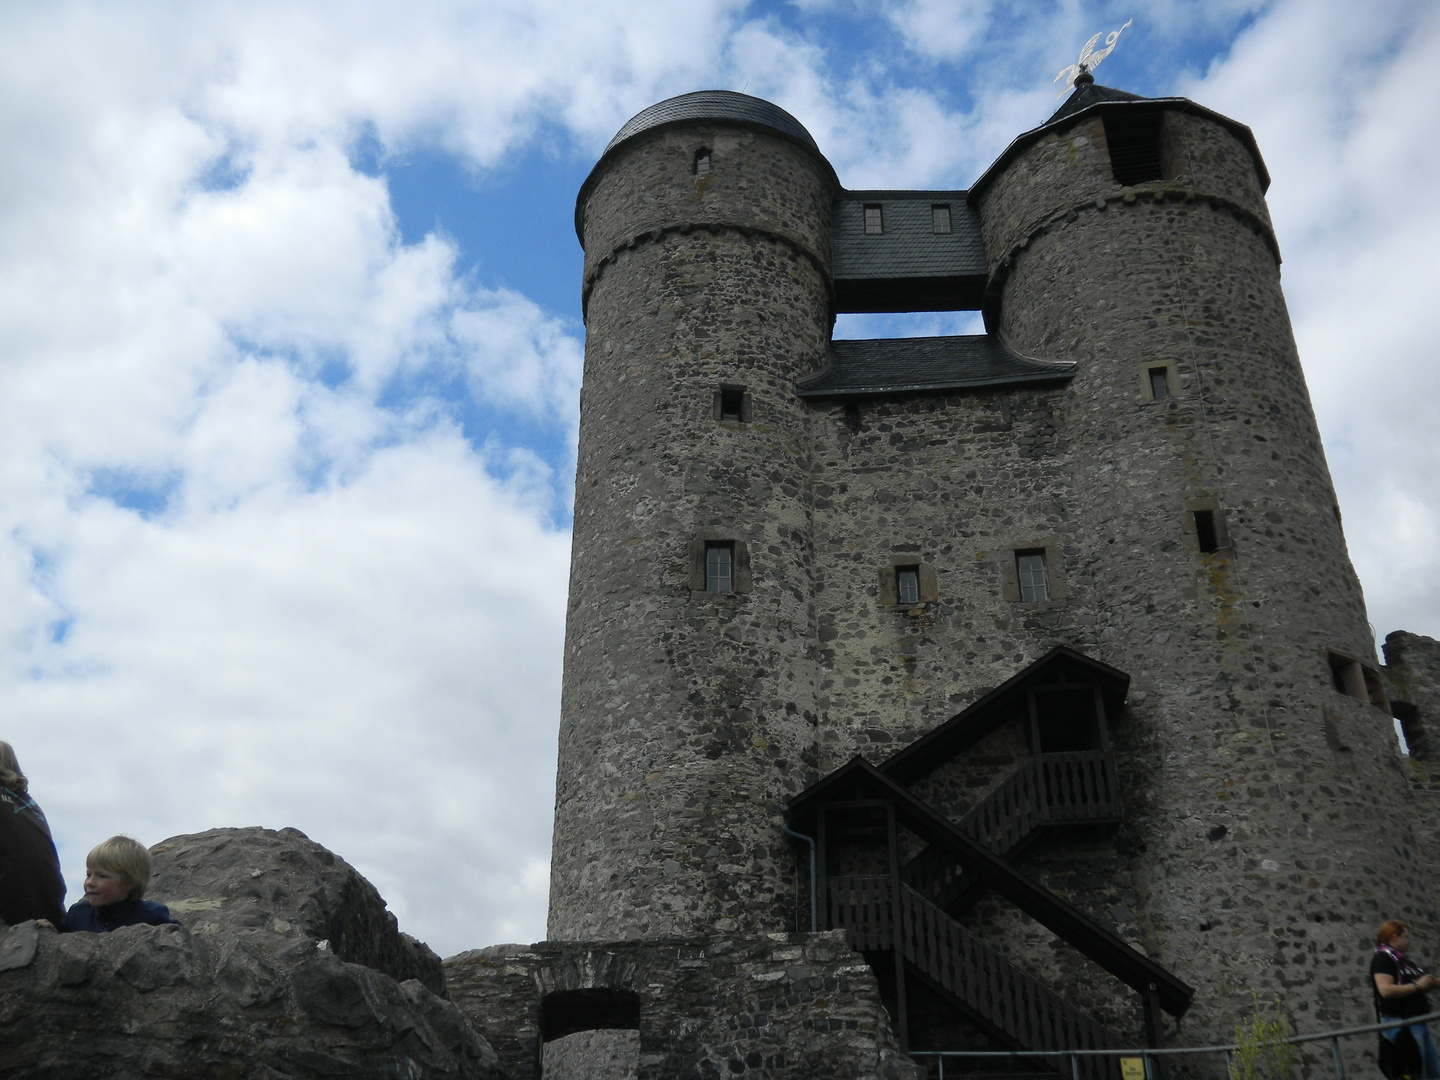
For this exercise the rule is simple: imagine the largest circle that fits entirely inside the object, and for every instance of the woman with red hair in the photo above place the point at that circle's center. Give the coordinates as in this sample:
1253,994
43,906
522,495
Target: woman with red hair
1400,986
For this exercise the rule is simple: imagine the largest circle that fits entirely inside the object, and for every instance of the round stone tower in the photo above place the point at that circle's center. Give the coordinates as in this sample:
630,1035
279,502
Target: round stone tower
1265,816
688,705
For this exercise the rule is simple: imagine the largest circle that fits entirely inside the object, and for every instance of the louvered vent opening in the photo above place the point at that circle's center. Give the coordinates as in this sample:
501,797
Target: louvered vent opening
1134,147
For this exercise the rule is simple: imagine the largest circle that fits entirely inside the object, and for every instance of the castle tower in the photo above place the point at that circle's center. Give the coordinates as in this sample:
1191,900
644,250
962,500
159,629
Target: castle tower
791,551
688,711
1267,823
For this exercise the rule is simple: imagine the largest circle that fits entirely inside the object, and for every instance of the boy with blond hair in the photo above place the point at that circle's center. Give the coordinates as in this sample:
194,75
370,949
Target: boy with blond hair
116,873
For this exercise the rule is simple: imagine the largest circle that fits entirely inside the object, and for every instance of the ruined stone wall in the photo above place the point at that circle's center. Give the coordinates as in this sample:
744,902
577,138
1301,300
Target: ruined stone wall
1412,676
1267,819
687,716
787,1007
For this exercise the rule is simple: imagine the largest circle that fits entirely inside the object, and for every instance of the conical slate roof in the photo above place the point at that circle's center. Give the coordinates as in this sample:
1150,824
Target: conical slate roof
1088,92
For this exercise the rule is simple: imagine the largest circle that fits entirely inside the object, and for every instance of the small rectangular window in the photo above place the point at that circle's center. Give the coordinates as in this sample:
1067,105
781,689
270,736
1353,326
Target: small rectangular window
1354,679
719,560
1030,568
907,584
1159,383
874,220
1205,531
940,218
732,403
702,162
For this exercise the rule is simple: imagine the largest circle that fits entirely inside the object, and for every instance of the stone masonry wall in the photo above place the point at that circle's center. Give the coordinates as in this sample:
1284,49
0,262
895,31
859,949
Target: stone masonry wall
687,716
1261,806
783,1007
1412,676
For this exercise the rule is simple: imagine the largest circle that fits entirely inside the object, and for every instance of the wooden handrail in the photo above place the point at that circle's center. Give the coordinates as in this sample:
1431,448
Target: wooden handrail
1016,1007
859,780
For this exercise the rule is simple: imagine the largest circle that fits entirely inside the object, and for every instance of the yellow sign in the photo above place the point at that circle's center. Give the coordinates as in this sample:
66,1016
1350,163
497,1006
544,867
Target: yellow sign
1132,1068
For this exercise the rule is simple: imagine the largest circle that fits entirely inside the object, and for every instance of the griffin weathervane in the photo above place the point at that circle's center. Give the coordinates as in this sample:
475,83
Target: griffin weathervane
1089,59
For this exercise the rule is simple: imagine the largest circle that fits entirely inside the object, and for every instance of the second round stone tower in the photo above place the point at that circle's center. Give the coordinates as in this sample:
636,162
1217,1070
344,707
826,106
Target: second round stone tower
688,706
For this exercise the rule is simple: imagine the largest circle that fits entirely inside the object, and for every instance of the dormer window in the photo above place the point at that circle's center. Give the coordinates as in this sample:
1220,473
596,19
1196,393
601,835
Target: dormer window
940,218
874,220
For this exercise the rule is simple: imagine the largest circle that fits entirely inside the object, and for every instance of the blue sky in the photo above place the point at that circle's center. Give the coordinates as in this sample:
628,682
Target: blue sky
290,353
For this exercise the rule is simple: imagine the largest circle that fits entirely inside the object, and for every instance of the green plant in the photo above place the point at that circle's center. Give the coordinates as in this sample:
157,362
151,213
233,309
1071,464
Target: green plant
1262,1050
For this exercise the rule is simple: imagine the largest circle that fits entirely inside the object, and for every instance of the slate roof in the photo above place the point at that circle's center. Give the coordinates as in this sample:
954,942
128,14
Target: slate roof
908,247
724,105
1090,98
1090,93
900,365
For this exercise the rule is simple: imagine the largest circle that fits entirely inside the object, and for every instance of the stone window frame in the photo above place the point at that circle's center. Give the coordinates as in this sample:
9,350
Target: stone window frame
1057,584
701,163
1147,387
927,582
1355,678
717,405
1191,524
741,577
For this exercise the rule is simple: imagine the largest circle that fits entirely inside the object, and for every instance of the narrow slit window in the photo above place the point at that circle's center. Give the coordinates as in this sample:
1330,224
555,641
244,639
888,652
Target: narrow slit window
1205,531
907,584
1159,383
702,162
940,218
719,564
874,220
1030,569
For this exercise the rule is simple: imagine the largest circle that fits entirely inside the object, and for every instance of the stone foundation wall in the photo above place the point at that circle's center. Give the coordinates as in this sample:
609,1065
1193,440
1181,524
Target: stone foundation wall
783,1007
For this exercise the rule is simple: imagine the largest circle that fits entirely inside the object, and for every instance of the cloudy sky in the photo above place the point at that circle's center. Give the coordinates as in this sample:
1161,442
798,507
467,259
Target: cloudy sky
290,355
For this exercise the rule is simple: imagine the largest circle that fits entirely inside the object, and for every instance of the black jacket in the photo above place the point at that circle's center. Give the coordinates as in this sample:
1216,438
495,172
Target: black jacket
30,883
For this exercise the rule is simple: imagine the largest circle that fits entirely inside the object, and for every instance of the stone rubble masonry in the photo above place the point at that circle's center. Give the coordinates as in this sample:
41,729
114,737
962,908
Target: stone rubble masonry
798,1006
1269,820
286,883
1412,677
688,717
226,995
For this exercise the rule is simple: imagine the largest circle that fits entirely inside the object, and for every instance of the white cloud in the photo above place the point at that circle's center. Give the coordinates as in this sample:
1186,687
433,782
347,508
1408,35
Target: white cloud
277,490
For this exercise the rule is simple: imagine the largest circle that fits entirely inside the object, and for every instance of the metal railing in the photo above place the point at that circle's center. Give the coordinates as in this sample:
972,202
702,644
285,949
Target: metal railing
1146,1055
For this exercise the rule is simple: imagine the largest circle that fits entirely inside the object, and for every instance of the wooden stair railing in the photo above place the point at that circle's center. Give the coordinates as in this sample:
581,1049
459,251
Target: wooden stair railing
1079,787
975,978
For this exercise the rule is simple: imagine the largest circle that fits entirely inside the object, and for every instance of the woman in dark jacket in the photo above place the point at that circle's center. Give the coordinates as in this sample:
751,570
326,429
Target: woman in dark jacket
30,883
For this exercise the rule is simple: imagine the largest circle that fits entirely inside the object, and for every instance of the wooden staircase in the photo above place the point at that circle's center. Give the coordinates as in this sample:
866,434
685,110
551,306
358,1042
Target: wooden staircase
1076,788
977,979
860,816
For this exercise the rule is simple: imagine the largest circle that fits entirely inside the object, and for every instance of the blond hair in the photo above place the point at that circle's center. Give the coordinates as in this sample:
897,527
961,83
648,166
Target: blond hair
10,774
126,857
